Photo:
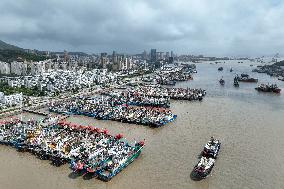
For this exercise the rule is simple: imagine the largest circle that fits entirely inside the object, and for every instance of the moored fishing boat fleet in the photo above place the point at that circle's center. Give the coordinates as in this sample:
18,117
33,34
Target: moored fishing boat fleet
143,105
108,109
171,74
172,93
87,149
90,150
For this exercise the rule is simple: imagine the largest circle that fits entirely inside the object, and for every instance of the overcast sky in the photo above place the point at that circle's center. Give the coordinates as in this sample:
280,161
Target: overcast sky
210,27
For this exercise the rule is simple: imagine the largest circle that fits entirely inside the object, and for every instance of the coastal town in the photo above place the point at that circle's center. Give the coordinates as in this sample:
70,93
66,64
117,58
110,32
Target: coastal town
136,89
141,94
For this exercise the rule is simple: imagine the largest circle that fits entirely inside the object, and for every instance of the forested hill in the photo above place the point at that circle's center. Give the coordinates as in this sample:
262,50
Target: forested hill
9,53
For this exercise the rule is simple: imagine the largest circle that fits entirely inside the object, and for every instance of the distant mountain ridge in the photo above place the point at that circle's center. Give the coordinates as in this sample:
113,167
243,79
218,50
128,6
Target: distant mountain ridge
9,53
6,46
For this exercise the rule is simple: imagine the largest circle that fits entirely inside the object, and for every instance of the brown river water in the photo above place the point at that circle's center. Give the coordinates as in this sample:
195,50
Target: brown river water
249,124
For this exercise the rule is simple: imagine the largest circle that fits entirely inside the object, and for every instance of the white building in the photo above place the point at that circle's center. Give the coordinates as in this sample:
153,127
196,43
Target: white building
37,68
18,68
4,68
11,100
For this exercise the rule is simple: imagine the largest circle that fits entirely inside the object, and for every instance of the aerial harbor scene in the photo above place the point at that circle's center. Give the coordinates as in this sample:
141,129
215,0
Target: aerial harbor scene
135,96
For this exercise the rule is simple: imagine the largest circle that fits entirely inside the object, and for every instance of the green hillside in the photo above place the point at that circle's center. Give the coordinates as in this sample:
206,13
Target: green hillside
9,53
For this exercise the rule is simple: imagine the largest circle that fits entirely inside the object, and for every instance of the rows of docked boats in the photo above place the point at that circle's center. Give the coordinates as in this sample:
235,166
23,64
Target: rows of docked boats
136,99
171,74
172,77
172,93
143,104
88,150
207,159
108,108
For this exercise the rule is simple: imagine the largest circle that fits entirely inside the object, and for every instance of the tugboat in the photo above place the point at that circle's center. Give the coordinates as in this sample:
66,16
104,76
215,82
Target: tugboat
236,82
222,81
207,160
268,88
220,69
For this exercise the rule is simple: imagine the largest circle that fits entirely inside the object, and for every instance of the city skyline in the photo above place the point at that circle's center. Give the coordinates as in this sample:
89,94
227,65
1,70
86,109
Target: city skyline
244,28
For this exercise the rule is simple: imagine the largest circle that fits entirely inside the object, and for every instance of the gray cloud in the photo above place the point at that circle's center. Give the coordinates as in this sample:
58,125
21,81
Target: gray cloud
219,27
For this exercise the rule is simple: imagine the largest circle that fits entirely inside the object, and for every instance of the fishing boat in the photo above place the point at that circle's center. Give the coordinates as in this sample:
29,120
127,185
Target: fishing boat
207,159
110,168
236,82
268,88
222,81
220,69
246,78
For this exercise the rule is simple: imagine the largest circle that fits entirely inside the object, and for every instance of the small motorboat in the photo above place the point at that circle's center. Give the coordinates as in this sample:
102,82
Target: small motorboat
236,82
220,69
222,81
231,70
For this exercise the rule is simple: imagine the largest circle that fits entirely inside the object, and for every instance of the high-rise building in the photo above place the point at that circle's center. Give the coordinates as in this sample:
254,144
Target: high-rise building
153,55
171,59
167,55
172,54
104,60
114,57
160,55
66,57
144,55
